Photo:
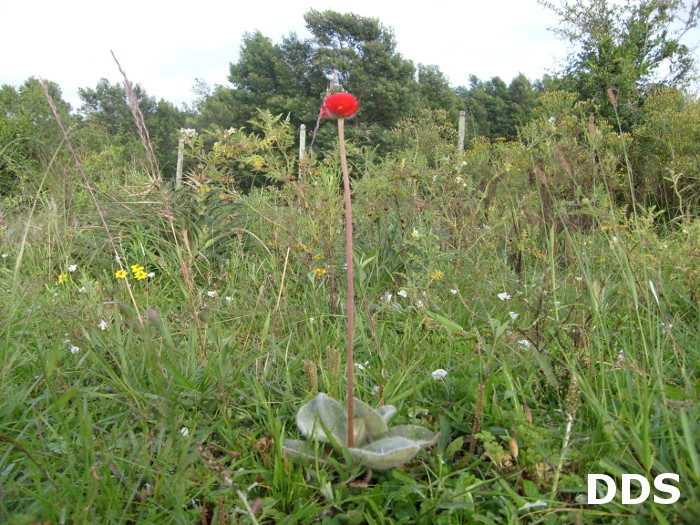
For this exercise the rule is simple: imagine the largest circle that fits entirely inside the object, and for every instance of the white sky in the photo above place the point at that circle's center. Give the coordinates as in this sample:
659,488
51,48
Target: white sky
165,45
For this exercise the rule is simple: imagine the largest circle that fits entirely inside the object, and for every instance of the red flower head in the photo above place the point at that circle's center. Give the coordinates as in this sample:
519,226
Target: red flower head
339,105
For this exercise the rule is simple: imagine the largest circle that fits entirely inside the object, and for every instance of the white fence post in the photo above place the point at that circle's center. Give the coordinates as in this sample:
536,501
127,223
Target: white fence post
302,145
462,129
178,171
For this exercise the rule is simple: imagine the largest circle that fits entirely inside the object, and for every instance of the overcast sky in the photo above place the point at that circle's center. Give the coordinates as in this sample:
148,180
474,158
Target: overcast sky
166,45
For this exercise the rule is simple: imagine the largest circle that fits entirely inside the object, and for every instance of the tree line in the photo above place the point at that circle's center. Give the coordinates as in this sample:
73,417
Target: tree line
621,54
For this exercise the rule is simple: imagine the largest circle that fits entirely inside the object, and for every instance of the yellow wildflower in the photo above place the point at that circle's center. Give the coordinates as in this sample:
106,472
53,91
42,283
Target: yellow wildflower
120,274
437,275
136,268
62,278
320,271
140,274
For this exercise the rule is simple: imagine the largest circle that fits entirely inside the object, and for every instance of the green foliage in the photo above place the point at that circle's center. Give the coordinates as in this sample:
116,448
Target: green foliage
430,135
626,48
290,78
135,425
666,153
29,134
240,158
108,123
495,110
376,445
559,322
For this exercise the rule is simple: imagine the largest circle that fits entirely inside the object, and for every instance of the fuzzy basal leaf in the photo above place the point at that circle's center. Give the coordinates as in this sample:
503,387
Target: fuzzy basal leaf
420,435
323,414
375,423
386,412
386,453
301,450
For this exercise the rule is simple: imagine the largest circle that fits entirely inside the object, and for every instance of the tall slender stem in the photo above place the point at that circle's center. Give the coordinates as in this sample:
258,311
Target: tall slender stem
351,283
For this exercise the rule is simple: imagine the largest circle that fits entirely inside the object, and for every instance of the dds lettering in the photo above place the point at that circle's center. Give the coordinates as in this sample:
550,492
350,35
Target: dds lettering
627,497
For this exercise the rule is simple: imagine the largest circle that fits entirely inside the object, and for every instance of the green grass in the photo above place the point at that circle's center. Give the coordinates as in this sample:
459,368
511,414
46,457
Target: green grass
135,426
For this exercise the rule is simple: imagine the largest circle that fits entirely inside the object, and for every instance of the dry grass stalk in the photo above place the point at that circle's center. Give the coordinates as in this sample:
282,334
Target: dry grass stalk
79,165
140,125
156,177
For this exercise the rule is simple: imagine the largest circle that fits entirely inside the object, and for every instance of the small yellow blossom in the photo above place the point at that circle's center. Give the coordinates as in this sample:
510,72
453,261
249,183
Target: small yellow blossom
140,274
120,274
62,278
320,271
136,268
437,275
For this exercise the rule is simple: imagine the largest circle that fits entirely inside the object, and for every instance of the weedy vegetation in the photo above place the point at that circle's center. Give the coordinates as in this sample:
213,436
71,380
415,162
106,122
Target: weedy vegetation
529,305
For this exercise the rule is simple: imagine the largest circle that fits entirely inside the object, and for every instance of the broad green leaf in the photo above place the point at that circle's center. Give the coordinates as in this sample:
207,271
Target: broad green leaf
420,435
301,450
323,411
445,322
386,412
386,453
376,425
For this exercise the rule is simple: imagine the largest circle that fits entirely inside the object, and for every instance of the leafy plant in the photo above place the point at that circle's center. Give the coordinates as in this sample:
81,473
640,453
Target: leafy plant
377,446
367,438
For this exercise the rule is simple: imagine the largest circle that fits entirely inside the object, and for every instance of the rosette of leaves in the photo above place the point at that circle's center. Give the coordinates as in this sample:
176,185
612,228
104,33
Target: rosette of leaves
376,444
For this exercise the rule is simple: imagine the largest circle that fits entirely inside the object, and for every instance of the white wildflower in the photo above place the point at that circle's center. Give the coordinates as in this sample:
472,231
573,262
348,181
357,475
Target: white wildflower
185,431
513,315
419,304
438,374
402,293
213,293
453,291
72,268
525,343
387,297
228,298
102,325
504,296
653,290
74,349
360,366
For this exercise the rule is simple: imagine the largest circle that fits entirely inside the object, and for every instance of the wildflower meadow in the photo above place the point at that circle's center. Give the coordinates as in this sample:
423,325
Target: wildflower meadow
435,334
